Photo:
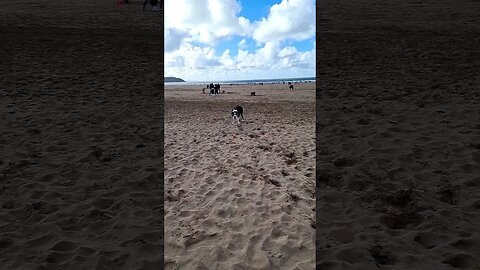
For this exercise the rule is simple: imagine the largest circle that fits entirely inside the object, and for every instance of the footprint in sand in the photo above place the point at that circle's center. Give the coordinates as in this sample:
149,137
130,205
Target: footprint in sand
234,191
210,193
241,201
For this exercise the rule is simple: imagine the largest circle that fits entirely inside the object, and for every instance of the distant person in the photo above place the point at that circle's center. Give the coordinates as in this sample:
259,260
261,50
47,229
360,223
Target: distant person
153,4
212,89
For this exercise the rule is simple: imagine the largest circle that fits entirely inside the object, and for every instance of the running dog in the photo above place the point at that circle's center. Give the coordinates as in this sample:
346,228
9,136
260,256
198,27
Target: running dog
237,112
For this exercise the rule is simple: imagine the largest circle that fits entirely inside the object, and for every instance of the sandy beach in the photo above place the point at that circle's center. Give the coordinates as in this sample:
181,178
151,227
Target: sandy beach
80,138
398,135
240,196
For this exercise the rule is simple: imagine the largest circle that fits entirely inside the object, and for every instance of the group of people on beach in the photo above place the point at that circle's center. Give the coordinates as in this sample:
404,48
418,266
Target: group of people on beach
214,89
153,4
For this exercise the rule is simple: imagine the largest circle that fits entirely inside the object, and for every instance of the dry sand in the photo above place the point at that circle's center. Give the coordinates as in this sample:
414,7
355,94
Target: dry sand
240,196
398,129
80,136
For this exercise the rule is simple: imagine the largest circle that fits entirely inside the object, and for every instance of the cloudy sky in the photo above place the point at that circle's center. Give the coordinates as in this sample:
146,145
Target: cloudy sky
214,40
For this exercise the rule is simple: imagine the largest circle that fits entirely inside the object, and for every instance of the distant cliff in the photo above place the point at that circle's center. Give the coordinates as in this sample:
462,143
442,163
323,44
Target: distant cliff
173,79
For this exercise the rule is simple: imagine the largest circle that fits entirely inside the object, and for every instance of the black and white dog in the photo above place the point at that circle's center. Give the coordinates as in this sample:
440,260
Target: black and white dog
237,112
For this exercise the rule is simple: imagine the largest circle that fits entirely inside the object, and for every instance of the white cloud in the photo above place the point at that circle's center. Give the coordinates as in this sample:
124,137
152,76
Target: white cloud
227,61
189,61
190,57
242,44
173,39
291,19
193,28
206,21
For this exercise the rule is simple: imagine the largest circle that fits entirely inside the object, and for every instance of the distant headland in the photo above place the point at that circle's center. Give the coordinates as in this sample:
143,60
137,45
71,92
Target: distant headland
173,79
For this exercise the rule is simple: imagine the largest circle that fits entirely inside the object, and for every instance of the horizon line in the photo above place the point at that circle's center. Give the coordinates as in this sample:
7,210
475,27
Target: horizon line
294,78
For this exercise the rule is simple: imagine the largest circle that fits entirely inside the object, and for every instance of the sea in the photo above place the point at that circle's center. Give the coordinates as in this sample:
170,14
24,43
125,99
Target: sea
234,82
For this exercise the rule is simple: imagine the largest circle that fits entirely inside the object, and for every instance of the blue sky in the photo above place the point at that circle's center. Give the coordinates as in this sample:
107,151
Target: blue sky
232,44
239,39
254,9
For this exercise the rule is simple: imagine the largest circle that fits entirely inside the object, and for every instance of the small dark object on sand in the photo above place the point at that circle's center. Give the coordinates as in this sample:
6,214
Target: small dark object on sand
294,197
252,93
